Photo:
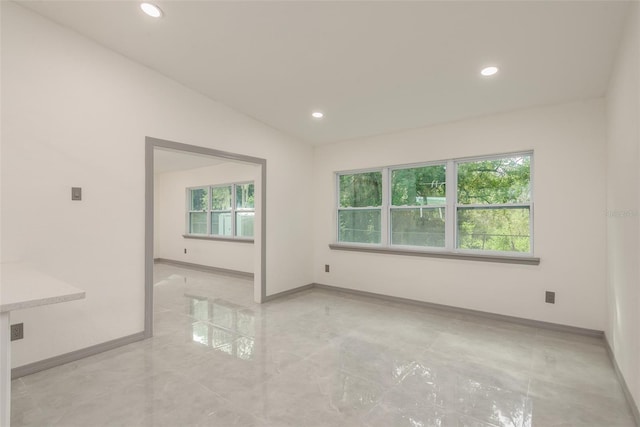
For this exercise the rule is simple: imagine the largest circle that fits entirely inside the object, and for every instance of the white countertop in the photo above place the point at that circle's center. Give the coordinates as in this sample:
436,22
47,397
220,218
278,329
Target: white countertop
21,286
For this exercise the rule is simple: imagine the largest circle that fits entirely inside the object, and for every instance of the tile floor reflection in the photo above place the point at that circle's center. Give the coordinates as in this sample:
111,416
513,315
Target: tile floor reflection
322,358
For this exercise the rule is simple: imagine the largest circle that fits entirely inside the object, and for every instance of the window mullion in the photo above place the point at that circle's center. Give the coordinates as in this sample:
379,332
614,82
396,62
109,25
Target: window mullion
385,216
188,211
495,205
233,210
452,201
209,209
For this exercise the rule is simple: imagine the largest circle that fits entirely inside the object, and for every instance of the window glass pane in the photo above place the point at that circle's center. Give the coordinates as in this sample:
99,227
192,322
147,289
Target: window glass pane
197,223
418,186
503,229
361,190
244,224
199,199
221,198
418,227
359,226
505,180
244,196
221,223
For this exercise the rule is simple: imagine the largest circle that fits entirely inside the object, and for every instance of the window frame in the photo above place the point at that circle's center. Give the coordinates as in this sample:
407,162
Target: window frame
210,211
337,175
451,207
237,210
496,205
190,211
391,207
220,211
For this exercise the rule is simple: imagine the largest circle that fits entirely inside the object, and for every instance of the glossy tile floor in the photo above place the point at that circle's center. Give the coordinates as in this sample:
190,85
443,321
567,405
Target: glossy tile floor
323,358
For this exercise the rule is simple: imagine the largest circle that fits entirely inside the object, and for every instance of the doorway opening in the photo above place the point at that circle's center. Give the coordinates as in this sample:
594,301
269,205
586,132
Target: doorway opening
152,147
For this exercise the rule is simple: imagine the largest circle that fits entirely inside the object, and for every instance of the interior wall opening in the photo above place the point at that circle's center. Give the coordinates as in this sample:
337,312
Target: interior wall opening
205,208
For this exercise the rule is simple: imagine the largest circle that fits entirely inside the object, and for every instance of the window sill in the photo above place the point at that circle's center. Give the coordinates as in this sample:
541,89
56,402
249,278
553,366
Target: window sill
218,238
506,259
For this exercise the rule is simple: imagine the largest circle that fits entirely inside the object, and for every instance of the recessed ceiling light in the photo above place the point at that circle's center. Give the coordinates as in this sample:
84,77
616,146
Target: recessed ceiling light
317,115
489,71
151,10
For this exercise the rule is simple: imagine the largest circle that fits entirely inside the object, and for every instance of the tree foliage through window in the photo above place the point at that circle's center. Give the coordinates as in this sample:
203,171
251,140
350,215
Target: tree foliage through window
492,205
499,192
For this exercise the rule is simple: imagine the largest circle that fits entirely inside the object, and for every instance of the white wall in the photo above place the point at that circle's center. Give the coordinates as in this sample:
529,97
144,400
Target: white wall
569,194
170,218
623,220
76,114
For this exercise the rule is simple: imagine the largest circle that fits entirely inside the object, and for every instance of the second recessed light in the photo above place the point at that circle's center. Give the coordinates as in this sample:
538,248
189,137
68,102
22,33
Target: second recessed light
489,71
151,10
317,115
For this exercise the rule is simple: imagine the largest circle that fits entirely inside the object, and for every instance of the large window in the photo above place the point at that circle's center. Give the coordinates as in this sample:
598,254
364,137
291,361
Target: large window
482,204
221,210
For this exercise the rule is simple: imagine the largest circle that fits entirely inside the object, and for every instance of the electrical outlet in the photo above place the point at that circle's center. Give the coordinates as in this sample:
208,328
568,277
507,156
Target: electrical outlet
550,297
17,331
326,268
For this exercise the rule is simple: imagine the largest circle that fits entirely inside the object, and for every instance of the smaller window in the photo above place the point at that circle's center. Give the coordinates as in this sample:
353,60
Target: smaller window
418,200
245,210
221,207
494,204
228,212
198,208
360,207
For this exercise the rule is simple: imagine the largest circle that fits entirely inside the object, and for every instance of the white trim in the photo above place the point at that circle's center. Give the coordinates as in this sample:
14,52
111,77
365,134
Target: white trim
336,211
493,156
437,162
531,198
385,214
450,229
233,210
358,171
496,206
407,207
361,208
418,165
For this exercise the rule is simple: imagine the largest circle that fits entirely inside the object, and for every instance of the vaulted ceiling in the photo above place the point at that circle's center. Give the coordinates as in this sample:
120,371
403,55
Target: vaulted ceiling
372,67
